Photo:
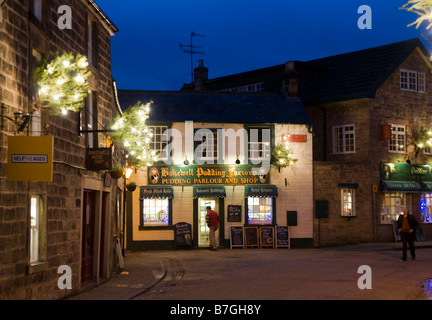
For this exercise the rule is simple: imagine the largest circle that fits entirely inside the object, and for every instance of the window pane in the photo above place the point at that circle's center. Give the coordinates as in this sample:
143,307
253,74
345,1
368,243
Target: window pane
260,210
155,211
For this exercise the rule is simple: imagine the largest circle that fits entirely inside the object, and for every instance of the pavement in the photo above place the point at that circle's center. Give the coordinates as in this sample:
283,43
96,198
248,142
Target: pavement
145,270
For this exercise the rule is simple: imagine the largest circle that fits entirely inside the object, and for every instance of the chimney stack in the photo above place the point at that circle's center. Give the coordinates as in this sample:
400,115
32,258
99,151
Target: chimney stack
201,75
291,80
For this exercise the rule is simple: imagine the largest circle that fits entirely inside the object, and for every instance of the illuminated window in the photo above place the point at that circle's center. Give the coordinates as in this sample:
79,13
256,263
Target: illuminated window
155,211
206,145
425,208
348,202
37,229
344,139
397,143
260,210
391,207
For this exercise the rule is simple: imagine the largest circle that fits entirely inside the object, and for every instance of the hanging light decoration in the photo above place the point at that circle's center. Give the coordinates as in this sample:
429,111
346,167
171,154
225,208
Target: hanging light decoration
130,133
61,82
282,156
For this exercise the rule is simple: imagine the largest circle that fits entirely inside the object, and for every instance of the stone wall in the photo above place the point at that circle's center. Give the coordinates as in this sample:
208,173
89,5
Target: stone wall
20,35
391,105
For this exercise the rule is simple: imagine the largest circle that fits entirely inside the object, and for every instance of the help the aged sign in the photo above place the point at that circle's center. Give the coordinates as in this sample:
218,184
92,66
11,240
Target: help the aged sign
30,159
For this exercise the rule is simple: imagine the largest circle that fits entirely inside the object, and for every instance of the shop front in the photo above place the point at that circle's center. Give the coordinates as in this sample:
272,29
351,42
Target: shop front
407,185
173,194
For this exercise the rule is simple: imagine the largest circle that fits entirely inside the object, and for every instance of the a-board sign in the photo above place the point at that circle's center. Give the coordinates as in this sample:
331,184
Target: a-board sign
396,231
282,237
251,237
236,237
267,237
183,234
234,213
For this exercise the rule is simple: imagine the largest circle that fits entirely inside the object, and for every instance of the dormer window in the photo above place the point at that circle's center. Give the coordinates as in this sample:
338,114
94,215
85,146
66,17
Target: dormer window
412,81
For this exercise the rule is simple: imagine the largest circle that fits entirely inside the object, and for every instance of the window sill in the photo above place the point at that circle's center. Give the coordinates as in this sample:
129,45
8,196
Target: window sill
147,228
37,267
348,217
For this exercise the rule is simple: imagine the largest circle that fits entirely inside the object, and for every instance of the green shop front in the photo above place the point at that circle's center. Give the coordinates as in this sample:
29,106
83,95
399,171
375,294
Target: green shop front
407,185
172,195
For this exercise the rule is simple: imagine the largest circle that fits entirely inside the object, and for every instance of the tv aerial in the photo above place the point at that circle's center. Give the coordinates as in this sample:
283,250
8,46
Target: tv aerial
191,49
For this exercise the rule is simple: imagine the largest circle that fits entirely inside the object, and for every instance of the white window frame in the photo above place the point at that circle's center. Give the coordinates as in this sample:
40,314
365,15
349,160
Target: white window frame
412,80
159,141
348,202
397,143
151,210
37,230
259,143
391,207
342,135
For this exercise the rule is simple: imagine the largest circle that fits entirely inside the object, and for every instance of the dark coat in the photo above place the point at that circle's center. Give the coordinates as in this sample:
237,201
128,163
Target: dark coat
412,220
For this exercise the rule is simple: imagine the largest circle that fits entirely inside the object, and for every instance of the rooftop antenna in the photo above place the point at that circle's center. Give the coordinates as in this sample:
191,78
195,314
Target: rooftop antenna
191,50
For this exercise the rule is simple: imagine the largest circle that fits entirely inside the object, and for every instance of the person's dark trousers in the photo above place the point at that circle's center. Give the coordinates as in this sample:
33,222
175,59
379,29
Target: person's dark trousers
407,239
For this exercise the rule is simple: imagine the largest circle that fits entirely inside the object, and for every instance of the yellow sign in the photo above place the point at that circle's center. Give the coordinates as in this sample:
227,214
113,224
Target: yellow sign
30,159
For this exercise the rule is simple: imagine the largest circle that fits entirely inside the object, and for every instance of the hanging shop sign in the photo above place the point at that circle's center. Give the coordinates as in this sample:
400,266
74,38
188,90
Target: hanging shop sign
30,159
210,174
99,159
398,177
405,172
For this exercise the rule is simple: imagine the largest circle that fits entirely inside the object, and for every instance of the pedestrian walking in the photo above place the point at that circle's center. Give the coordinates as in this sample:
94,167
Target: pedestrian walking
213,223
407,225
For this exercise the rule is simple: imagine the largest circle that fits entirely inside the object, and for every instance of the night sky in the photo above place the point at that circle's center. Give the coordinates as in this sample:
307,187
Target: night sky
241,35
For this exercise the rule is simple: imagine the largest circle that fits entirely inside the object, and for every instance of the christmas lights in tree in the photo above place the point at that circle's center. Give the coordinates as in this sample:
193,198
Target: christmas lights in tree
61,82
130,133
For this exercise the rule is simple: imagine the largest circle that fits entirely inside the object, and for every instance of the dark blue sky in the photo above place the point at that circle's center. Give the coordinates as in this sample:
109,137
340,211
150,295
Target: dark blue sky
241,35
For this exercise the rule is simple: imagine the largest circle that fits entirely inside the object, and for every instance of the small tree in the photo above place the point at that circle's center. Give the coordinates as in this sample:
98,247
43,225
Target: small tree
130,133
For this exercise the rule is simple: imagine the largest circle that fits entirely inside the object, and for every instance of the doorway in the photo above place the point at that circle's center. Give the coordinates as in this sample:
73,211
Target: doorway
88,237
203,229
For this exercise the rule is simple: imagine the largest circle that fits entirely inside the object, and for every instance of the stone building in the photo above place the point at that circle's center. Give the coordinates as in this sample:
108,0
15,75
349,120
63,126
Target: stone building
225,174
370,111
65,225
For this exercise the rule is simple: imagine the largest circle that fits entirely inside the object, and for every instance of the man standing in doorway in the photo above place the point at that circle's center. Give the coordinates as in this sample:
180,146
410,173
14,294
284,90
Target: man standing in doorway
407,225
213,223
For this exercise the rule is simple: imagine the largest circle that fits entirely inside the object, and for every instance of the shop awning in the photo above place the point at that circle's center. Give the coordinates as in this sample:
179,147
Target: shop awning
212,191
261,191
427,186
400,186
156,192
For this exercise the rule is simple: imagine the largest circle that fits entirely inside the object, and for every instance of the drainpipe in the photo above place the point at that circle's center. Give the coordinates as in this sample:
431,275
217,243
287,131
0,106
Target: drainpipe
324,111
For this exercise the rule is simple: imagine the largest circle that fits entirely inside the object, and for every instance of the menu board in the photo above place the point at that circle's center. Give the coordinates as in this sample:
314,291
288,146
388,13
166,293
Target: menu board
183,234
251,237
267,237
282,237
236,237
234,213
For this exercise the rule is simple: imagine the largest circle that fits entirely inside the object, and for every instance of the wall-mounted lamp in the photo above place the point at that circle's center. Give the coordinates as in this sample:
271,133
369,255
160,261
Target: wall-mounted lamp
128,173
237,161
186,162
21,118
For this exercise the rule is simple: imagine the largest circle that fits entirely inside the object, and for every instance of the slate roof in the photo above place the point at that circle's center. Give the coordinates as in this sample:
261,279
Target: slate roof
340,77
174,106
357,74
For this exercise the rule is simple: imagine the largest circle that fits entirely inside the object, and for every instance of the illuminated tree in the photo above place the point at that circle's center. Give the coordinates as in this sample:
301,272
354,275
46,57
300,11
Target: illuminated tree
131,134
423,8
61,82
